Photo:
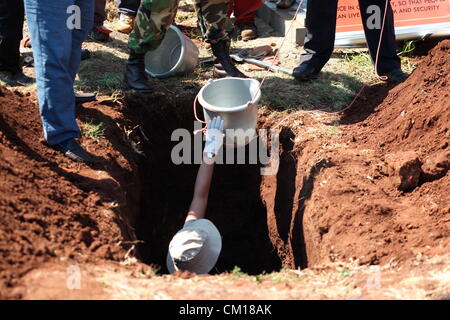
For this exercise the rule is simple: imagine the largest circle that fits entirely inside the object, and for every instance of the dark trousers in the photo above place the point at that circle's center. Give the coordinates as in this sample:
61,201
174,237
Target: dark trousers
11,25
321,28
129,7
99,12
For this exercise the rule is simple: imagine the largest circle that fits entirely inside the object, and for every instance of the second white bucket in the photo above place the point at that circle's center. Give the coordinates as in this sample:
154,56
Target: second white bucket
228,98
176,55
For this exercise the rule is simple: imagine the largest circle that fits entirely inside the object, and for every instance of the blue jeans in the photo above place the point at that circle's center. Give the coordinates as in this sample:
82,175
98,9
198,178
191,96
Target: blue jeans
56,40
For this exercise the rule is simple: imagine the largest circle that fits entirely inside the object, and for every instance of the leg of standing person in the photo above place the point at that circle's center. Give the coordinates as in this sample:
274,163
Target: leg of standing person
245,11
129,6
99,12
213,20
127,14
79,35
152,20
56,50
320,34
388,61
285,4
11,26
99,32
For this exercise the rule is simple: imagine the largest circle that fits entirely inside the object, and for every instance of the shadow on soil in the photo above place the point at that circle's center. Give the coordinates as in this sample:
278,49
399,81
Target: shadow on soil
329,92
87,184
235,204
365,105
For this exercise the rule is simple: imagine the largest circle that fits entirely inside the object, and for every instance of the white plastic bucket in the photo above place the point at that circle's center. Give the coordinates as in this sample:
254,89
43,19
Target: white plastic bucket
228,98
176,55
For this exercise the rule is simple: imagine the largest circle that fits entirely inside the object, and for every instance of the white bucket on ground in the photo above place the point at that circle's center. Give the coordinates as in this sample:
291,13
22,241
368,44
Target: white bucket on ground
176,55
228,98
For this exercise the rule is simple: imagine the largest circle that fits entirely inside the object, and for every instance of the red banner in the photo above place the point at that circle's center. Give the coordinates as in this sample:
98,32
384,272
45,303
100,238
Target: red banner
406,13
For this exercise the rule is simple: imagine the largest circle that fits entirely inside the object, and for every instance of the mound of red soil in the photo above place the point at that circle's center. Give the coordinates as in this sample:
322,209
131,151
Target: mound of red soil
379,193
51,208
416,114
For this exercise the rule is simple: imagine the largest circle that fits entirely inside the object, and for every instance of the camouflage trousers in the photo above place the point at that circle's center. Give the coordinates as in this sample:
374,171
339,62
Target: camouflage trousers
155,16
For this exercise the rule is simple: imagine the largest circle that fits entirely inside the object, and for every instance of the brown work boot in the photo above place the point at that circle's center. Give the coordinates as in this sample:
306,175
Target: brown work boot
248,31
125,23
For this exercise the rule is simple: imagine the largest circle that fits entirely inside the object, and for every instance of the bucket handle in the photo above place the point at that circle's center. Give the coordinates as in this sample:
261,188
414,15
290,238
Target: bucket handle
203,129
171,54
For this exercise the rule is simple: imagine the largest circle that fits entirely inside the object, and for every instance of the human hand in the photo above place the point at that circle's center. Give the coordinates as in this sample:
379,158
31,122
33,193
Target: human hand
214,137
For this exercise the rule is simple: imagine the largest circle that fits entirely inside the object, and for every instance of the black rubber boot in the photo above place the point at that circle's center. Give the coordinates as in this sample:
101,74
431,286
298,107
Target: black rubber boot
222,53
17,78
395,75
135,76
285,4
84,97
305,72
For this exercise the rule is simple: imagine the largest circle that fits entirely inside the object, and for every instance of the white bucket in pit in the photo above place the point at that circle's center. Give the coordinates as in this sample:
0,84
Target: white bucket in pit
176,55
228,98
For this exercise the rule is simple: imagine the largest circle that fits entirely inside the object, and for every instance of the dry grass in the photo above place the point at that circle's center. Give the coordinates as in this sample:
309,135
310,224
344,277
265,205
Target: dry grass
419,278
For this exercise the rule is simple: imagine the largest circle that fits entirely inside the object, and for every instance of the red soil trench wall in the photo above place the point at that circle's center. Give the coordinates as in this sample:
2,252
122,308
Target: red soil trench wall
382,193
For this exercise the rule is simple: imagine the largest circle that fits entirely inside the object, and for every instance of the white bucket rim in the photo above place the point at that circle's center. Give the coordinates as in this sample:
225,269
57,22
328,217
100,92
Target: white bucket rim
212,108
182,38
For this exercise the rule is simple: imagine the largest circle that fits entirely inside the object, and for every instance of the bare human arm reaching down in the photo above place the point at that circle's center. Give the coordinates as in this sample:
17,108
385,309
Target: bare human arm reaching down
196,247
214,141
